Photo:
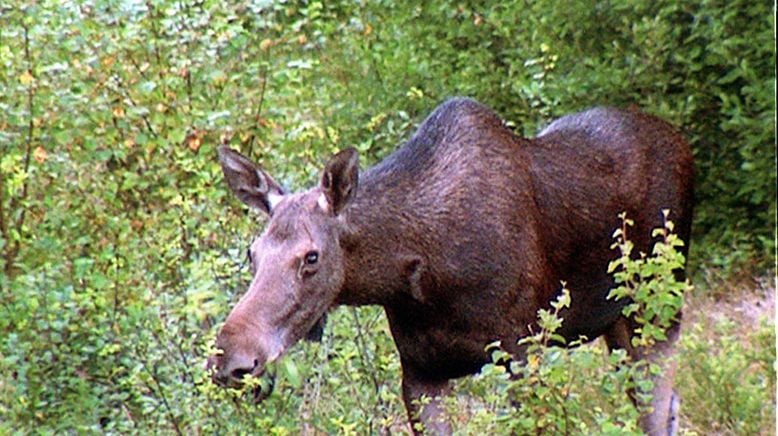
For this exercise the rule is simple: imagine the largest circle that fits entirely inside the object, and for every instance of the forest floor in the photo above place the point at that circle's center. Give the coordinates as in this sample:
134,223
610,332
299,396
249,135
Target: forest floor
746,300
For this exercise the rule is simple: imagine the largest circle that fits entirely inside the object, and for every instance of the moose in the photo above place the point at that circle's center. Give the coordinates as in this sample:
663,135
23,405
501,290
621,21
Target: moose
462,234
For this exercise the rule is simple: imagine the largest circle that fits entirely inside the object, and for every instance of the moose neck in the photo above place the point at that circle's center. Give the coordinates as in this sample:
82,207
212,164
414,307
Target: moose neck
395,235
373,260
379,242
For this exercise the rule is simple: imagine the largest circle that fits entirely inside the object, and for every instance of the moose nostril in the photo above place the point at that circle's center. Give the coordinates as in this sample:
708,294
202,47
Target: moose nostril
239,373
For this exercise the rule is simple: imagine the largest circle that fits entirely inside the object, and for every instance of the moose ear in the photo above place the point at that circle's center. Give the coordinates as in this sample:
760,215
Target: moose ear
339,179
248,181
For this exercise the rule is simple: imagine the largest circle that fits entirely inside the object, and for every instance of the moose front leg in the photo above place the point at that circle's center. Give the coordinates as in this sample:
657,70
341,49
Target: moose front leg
662,417
423,401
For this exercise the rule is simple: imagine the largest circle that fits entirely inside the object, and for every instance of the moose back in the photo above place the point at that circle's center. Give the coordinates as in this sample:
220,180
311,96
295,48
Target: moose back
462,234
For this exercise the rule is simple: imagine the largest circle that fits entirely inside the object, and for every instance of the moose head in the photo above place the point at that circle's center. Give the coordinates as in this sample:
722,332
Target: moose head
297,263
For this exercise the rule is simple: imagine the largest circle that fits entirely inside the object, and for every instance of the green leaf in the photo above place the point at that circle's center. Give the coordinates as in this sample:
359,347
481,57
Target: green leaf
291,373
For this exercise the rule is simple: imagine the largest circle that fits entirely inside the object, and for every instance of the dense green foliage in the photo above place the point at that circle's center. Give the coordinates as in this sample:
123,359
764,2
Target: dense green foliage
121,250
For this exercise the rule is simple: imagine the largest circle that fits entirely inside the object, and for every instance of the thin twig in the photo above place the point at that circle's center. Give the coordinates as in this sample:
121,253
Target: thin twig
363,353
161,392
3,224
258,113
12,252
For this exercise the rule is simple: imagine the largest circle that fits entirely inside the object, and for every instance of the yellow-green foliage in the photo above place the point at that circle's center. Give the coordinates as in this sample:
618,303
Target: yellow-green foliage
650,282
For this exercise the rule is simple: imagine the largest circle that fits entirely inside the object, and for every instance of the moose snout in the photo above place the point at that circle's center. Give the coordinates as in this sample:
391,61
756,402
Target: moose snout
229,370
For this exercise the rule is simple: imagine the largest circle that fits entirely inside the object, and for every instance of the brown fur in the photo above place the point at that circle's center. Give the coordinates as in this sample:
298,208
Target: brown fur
461,235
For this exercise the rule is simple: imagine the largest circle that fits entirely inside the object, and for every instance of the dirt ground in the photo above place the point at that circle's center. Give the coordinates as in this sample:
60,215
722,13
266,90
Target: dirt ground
746,302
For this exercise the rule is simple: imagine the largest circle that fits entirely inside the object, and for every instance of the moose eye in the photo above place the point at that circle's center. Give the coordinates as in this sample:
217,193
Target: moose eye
311,257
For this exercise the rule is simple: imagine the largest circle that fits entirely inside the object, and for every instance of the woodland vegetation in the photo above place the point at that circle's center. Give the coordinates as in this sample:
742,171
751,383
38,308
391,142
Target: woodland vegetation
121,249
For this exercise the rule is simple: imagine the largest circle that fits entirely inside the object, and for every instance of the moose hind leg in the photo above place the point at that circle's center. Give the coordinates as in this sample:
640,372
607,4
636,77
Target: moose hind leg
662,415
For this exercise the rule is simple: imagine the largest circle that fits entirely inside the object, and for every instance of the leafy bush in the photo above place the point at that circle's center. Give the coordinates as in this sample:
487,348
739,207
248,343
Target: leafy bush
120,250
729,377
650,284
727,367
